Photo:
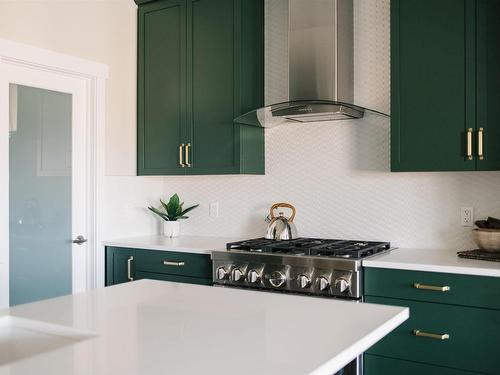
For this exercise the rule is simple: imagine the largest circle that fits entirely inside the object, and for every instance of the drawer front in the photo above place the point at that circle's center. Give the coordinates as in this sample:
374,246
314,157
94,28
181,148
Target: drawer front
174,278
472,345
375,365
478,291
174,263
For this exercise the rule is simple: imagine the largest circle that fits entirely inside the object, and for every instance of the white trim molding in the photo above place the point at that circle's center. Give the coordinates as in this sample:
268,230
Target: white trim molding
91,78
25,54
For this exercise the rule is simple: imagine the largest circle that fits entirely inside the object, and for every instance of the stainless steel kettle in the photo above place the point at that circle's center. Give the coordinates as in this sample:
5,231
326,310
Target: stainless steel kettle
281,227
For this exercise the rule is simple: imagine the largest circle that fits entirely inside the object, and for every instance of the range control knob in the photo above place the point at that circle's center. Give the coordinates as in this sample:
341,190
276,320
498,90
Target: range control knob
277,279
341,285
323,283
303,281
236,274
253,276
221,273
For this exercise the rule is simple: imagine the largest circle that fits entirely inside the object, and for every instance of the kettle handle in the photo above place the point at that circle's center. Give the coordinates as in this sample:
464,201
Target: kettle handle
286,205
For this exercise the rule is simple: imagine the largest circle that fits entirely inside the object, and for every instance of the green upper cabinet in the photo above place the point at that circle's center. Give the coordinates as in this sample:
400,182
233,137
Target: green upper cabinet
444,83
488,83
200,65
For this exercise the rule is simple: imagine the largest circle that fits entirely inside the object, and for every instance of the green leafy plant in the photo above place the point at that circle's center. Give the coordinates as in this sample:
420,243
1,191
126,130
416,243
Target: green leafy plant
173,210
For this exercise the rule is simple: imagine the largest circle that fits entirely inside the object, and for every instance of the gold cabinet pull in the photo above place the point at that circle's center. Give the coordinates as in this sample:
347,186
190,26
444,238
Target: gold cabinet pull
480,143
129,269
181,162
435,336
469,143
187,155
172,263
445,288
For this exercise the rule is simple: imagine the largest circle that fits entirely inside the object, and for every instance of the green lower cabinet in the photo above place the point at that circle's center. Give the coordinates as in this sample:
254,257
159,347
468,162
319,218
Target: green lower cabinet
376,365
119,265
473,343
454,324
125,264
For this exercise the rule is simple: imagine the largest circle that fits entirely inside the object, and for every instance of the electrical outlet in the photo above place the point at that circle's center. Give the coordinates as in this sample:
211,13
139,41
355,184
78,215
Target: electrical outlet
467,216
213,210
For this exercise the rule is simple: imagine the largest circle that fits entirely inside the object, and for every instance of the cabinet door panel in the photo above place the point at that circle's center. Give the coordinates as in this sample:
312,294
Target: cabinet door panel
433,88
488,81
212,63
161,86
117,260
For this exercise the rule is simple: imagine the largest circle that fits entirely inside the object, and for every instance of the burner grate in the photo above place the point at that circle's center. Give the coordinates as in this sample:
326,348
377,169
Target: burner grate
312,247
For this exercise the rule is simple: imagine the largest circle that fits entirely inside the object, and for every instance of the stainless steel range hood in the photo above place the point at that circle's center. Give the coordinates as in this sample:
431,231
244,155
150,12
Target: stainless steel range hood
309,63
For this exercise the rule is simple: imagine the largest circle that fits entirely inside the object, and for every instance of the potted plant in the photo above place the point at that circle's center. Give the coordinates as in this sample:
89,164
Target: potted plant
171,212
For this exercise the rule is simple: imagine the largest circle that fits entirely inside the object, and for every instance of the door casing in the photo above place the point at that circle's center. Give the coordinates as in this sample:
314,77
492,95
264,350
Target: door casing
85,81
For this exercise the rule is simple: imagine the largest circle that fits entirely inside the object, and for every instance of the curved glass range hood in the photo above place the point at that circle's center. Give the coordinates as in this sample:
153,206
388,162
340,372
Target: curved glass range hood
303,111
309,64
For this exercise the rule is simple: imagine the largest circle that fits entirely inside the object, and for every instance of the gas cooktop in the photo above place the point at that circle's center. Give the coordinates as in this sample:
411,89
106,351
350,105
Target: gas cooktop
327,248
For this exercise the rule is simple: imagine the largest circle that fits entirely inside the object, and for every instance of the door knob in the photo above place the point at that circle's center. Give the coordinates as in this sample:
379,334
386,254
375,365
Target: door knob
79,240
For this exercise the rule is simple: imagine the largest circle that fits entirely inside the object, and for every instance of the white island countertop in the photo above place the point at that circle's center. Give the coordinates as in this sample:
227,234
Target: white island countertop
154,327
186,244
433,260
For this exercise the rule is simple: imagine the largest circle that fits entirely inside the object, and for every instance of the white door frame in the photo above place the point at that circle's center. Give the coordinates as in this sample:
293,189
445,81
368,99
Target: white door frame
85,80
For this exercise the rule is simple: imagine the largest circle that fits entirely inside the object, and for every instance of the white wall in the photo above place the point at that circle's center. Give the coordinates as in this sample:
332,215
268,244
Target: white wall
98,30
102,31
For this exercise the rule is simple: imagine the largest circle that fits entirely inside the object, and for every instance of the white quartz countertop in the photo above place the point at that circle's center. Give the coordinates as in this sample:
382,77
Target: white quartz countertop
154,327
431,260
187,244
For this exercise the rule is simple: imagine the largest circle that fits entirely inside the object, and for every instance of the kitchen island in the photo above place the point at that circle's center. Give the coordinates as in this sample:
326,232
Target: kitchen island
155,327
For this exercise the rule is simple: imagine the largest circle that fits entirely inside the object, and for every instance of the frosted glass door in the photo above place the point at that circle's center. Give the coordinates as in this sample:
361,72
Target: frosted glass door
40,190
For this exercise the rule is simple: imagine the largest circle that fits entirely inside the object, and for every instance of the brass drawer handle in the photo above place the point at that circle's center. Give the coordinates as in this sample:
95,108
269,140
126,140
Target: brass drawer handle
445,288
129,269
480,144
469,143
435,336
172,263
187,155
181,162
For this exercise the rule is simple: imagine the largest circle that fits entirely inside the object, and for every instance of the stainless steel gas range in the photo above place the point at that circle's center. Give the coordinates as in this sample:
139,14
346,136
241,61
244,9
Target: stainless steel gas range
329,268
311,266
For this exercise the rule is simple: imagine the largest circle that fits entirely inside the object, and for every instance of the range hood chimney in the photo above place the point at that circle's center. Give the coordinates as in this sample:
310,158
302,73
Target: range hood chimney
309,63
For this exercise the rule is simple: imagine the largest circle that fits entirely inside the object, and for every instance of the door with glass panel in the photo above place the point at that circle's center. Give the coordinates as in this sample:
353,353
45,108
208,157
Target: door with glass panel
46,183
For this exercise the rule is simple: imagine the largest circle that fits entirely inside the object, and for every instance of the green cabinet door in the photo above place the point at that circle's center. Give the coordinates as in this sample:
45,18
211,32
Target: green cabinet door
161,87
488,83
432,84
119,265
219,31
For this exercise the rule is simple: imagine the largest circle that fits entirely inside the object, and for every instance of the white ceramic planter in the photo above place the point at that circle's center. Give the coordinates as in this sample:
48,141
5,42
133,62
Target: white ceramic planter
171,228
